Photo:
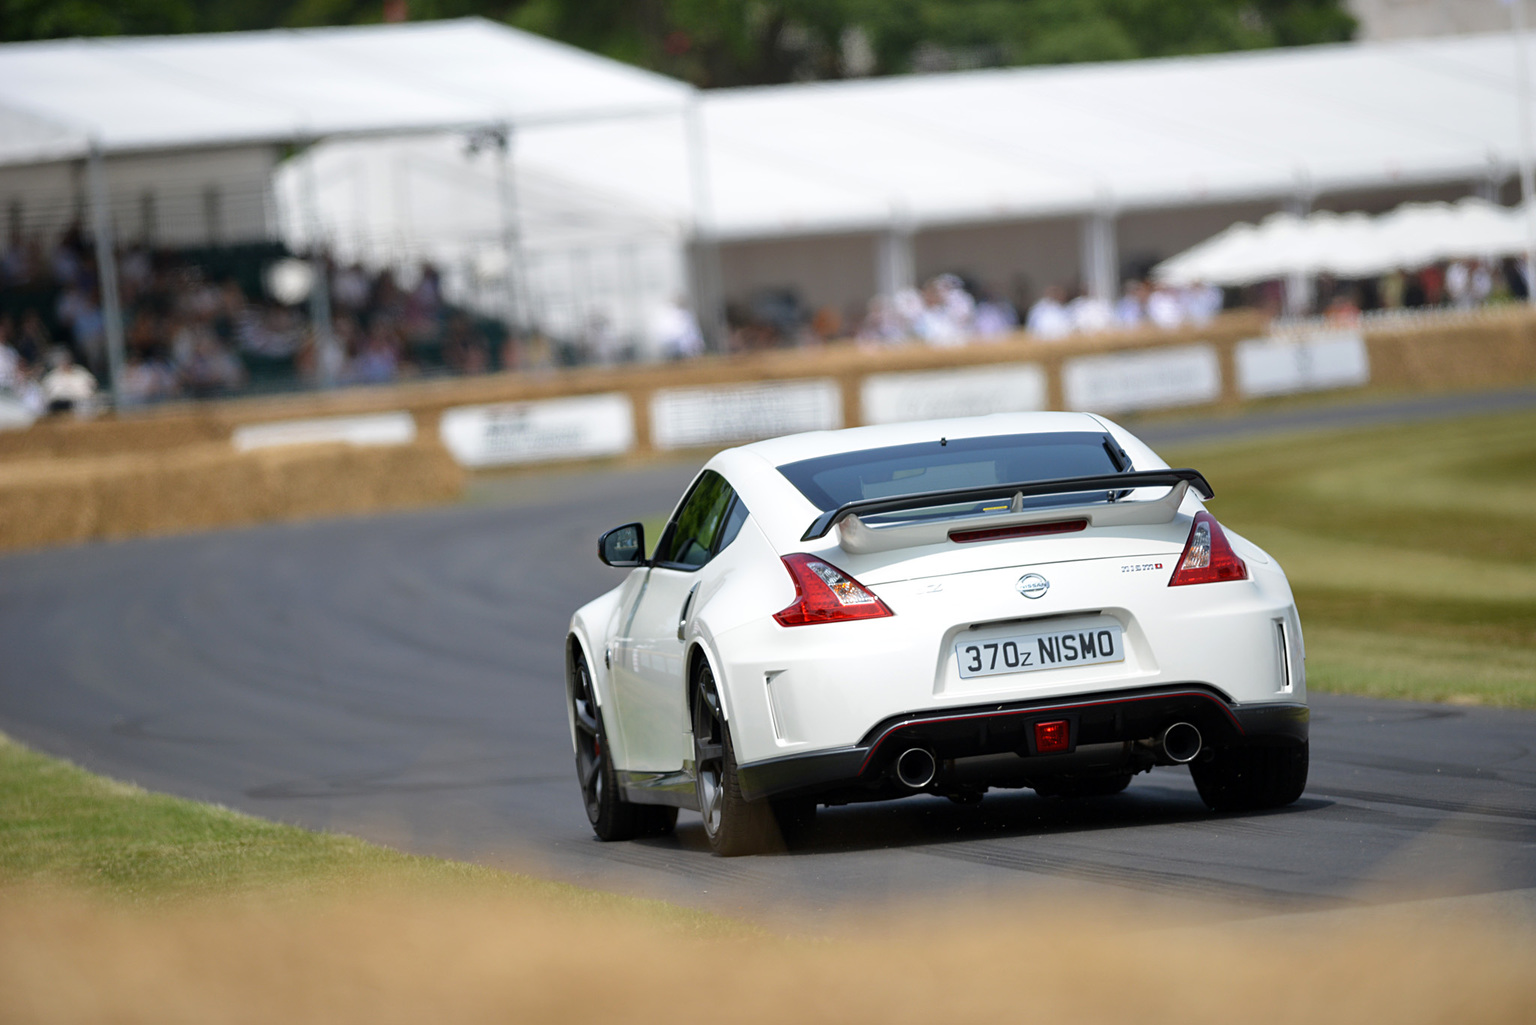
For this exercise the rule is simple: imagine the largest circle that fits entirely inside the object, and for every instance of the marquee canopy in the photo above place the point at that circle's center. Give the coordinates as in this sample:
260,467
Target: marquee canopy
166,93
1037,142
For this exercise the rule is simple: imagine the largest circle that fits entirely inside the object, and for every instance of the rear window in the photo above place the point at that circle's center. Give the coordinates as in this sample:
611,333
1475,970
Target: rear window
831,481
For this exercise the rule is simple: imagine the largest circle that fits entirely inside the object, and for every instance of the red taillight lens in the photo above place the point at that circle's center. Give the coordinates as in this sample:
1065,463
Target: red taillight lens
1208,556
1051,737
825,594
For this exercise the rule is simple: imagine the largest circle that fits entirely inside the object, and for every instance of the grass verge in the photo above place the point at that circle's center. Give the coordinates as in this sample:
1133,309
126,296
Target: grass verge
62,827
213,916
1411,550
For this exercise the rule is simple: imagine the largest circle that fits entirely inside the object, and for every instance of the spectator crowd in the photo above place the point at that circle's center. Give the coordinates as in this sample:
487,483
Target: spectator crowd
200,325
949,311
205,323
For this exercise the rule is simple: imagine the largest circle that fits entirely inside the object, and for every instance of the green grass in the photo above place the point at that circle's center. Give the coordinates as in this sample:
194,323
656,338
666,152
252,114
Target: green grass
61,825
1411,550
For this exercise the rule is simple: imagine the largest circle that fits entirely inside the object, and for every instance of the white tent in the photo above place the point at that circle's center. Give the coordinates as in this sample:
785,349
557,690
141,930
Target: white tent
895,157
1350,245
161,109
1085,140
174,93
589,261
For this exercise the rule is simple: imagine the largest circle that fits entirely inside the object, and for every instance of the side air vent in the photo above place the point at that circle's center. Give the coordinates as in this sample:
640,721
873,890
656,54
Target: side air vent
1285,655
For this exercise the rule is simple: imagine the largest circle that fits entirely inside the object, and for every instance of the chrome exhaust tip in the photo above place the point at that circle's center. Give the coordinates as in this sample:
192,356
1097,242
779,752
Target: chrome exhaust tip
1180,742
916,767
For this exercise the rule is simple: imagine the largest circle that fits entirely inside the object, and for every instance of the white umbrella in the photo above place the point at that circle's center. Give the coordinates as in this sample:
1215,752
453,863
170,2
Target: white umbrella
1350,245
1228,257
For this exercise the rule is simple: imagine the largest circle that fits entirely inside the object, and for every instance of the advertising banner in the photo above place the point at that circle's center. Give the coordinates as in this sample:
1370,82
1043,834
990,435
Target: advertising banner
1185,375
374,429
692,417
1314,362
581,427
937,394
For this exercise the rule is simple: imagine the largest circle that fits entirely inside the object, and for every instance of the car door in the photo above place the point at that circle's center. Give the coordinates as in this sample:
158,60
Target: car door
648,670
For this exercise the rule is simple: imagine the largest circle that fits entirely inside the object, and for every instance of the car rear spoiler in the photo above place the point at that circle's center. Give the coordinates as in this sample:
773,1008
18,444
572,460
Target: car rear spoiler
857,536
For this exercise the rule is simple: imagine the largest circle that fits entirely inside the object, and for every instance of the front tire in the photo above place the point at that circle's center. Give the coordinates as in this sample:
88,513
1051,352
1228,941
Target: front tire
1251,778
612,817
732,824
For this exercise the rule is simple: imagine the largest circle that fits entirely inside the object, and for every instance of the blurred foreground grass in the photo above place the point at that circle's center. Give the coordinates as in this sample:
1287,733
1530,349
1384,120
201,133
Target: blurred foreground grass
275,924
1411,550
124,906
64,827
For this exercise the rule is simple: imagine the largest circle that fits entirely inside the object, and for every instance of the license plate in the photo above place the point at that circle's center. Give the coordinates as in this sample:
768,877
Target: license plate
1023,653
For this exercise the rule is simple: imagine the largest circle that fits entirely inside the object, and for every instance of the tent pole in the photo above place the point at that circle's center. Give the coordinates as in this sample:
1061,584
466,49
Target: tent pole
1100,261
1527,176
707,284
1298,284
519,300
106,272
329,359
895,268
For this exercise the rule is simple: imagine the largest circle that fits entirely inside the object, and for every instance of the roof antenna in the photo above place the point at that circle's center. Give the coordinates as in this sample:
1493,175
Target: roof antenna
943,442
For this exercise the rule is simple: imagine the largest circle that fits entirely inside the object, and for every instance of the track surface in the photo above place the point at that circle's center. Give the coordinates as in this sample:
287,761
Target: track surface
400,678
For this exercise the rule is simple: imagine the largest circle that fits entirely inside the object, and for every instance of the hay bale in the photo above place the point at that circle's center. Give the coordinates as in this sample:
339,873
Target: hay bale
53,501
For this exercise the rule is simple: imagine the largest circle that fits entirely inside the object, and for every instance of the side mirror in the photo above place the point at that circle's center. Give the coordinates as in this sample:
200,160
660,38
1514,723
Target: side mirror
623,546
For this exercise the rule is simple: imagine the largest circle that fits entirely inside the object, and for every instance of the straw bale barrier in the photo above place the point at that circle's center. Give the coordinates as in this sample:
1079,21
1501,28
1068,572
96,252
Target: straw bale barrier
205,485
174,467
1493,349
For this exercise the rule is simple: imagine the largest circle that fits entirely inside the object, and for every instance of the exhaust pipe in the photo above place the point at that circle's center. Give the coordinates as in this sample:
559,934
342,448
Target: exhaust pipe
916,767
1180,743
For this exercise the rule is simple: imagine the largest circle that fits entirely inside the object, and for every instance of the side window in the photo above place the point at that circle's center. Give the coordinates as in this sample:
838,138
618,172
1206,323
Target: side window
733,521
689,541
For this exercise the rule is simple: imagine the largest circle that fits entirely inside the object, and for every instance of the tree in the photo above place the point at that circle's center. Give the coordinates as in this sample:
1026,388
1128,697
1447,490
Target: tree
751,42
55,19
758,42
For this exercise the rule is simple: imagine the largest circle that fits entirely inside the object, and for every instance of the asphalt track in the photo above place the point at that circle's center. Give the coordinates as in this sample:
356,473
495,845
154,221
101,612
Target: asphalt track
400,678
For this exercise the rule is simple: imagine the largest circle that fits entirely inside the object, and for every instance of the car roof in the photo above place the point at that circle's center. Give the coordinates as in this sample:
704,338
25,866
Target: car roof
783,512
794,447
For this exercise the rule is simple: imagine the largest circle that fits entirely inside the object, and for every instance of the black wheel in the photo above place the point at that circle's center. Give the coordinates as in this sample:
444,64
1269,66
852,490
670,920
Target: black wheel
1250,778
732,824
612,817
1083,786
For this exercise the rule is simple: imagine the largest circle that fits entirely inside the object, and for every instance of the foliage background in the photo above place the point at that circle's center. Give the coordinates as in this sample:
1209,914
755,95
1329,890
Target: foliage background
759,42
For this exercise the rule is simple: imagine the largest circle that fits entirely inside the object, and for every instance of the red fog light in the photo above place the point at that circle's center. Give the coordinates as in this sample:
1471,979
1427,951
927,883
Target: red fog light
1051,737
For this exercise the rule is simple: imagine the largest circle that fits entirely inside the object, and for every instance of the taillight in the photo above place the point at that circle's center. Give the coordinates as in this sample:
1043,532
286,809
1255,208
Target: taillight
1208,556
825,594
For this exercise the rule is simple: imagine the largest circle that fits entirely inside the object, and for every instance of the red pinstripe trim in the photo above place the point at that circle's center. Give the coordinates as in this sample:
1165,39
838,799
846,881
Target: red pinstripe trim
1039,709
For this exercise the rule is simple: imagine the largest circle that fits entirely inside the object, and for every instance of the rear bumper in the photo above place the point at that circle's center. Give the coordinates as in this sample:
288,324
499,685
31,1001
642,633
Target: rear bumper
1009,728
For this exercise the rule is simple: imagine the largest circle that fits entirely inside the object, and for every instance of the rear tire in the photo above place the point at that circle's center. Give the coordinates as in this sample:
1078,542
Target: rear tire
612,817
1251,778
733,825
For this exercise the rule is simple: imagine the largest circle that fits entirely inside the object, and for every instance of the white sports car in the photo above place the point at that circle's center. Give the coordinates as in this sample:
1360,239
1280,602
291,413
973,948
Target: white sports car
1018,600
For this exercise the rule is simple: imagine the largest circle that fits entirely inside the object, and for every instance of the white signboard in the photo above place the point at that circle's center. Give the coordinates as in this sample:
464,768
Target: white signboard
376,429
934,395
691,417
529,432
1316,362
1184,375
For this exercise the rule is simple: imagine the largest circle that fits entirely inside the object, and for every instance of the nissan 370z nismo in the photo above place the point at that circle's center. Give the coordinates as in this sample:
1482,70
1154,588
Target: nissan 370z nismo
1019,600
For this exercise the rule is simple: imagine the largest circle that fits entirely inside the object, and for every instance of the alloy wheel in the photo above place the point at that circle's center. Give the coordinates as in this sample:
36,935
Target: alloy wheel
589,742
709,751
